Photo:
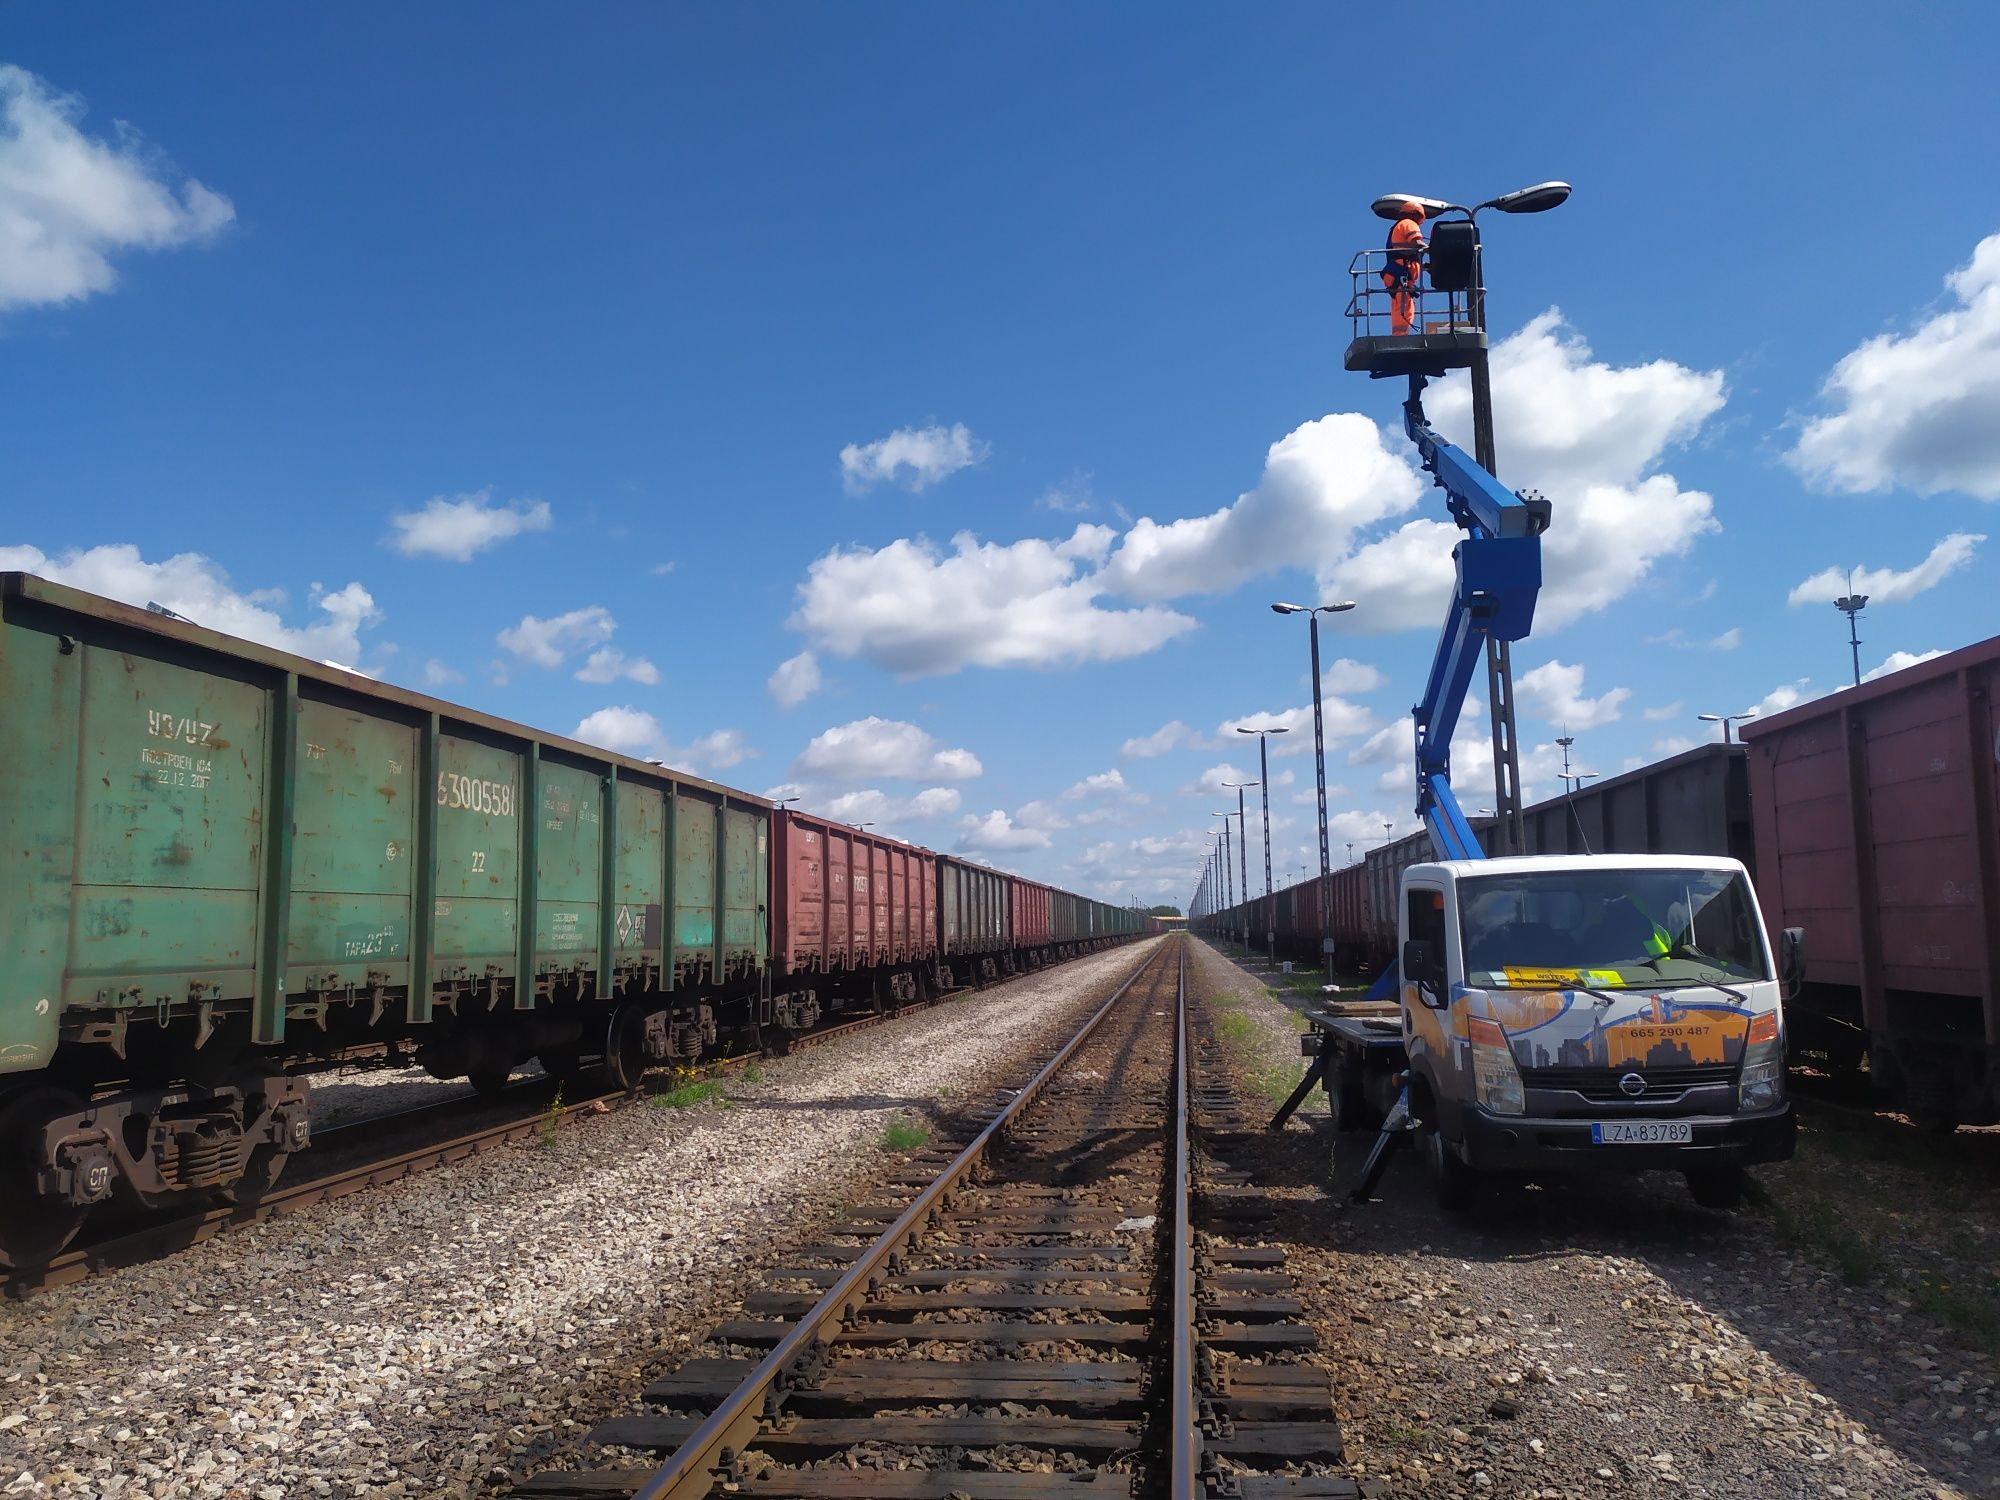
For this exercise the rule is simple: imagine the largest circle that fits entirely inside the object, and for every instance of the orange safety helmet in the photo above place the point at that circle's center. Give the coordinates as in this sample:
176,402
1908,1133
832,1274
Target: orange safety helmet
1413,211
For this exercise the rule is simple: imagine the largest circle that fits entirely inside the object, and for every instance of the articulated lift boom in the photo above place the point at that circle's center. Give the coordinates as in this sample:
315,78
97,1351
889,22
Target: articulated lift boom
1498,573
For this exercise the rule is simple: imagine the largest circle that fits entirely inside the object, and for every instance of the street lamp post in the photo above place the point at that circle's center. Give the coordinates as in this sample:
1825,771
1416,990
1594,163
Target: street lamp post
1243,851
1725,720
1319,765
1510,830
1264,770
1851,604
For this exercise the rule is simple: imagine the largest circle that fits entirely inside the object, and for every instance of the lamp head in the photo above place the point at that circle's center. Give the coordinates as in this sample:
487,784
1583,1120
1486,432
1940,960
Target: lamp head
1390,206
1537,199
1287,609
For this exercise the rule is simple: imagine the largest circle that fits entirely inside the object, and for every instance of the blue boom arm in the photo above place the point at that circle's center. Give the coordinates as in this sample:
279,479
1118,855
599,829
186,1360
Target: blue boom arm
1498,568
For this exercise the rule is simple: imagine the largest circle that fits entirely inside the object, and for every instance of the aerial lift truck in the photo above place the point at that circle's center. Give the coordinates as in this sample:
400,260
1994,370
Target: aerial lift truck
1606,1012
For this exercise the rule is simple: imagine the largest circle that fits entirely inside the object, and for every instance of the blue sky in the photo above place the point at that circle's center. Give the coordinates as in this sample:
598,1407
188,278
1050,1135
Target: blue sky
596,304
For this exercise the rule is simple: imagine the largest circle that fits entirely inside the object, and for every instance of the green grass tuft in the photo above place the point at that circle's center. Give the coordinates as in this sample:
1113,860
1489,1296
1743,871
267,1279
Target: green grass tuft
552,1122
905,1135
690,1094
752,1073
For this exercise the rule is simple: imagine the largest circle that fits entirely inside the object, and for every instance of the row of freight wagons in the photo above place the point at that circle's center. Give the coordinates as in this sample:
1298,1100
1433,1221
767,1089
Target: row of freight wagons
1867,818
223,862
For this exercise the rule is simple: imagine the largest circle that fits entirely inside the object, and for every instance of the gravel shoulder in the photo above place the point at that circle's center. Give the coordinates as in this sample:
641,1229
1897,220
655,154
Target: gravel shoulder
1643,1345
450,1333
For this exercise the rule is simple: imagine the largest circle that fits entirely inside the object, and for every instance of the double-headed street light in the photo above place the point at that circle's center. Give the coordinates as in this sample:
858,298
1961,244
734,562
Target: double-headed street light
1264,770
1725,720
1511,832
1312,614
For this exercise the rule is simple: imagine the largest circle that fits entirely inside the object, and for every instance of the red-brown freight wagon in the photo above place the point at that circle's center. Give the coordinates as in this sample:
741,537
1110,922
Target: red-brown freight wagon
1875,831
854,916
1030,901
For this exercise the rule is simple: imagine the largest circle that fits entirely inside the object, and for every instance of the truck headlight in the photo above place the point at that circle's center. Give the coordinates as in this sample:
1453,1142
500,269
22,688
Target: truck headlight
1496,1081
1763,1084
1762,1081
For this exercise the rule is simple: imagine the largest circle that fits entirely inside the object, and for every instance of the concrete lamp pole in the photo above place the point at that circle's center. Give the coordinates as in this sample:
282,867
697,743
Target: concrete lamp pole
1243,853
1264,770
1312,614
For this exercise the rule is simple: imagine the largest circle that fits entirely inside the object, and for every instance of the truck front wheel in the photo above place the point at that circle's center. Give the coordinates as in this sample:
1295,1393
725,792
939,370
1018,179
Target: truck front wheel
1716,1187
1455,1184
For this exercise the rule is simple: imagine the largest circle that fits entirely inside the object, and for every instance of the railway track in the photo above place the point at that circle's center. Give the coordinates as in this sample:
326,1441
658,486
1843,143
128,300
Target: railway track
418,1139
1057,1307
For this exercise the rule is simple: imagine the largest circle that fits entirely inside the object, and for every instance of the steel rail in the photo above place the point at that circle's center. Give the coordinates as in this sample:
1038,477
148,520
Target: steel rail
692,1471
1184,1440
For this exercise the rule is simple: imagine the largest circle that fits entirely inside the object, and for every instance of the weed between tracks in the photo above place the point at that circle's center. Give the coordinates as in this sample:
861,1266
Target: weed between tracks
552,1122
691,1089
905,1135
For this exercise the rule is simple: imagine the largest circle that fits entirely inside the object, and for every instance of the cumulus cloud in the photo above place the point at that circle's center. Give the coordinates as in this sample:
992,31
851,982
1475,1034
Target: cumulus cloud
885,811
1169,736
69,202
196,588
1587,434
1346,675
1339,719
633,731
796,680
1887,585
1104,784
914,611
457,528
874,748
1554,692
1916,410
913,457
996,832
1664,712
1785,695
1729,640
1897,660
609,664
1322,482
549,643
438,675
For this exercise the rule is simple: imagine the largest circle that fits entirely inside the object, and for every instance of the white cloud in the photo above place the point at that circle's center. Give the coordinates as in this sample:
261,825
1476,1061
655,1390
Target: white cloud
1216,781
197,588
1104,784
661,570
1674,744
609,664
913,611
1553,692
456,529
1321,483
1045,815
1072,494
1169,736
632,731
1588,435
1348,676
873,748
1339,719
545,643
796,680
1916,410
1664,712
69,201
1897,660
996,831
1785,695
914,457
1887,585
885,811
1729,640
438,675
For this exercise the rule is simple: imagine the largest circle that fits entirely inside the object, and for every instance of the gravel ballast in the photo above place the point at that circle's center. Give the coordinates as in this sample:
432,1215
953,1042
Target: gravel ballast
1609,1338
447,1334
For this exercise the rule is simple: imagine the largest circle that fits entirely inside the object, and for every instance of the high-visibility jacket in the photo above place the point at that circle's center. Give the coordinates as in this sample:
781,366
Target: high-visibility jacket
1406,247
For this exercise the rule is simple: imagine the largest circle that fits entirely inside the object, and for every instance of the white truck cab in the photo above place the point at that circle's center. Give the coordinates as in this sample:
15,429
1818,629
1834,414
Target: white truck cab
1592,1012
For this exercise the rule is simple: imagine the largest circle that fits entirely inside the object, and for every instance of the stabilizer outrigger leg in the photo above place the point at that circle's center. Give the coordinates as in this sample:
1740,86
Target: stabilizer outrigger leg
1396,1129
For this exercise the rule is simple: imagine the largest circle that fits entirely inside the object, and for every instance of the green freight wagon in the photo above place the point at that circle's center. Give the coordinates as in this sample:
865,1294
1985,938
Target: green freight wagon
224,863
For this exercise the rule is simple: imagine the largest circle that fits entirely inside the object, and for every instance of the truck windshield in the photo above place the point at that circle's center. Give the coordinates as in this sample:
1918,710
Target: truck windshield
1609,928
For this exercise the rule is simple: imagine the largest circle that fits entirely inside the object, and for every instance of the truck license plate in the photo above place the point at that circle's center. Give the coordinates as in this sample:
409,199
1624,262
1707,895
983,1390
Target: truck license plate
1641,1133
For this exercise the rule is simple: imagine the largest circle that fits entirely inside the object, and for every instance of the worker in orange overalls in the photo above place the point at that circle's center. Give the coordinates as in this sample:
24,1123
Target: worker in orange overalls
1404,267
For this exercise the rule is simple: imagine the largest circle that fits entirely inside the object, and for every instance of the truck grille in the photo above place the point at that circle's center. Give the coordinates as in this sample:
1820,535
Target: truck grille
1600,1085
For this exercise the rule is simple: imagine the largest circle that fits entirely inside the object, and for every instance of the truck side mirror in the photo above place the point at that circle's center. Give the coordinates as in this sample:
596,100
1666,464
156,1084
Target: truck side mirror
1423,968
1792,959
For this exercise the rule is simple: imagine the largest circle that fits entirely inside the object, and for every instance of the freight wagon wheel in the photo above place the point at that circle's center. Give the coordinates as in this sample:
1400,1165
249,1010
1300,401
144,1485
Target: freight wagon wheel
264,1167
625,1048
489,1075
33,1229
